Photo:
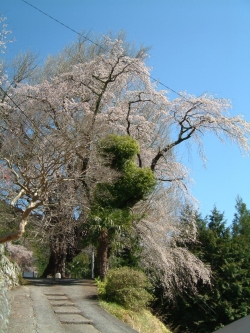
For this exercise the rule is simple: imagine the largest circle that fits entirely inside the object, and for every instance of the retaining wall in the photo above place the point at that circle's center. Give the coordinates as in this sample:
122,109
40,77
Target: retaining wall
9,278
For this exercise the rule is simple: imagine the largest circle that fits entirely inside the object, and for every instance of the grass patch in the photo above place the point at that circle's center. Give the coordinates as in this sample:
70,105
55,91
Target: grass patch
143,321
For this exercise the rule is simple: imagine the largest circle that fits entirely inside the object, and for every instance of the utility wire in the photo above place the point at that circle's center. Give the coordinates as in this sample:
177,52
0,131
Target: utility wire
100,46
63,24
91,41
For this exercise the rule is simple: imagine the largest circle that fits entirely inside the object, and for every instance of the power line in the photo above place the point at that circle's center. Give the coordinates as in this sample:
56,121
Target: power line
63,24
91,41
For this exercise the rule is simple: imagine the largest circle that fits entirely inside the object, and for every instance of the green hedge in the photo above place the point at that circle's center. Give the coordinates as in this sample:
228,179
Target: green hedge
126,287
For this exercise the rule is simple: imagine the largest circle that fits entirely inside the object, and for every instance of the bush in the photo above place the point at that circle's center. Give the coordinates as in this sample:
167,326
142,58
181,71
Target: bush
119,148
127,287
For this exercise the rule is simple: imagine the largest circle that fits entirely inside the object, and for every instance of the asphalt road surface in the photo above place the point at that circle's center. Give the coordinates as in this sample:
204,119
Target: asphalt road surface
60,306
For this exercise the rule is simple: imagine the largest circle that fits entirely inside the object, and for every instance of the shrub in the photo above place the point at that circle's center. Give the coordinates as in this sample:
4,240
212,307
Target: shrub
119,149
134,184
127,287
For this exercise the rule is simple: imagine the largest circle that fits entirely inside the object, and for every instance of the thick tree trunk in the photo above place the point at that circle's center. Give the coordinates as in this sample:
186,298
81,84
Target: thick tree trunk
102,255
57,260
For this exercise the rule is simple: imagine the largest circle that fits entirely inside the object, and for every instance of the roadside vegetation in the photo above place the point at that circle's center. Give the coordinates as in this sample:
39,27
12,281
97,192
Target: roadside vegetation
143,321
125,294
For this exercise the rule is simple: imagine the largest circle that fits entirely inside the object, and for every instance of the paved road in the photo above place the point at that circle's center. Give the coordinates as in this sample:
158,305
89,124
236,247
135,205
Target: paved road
60,306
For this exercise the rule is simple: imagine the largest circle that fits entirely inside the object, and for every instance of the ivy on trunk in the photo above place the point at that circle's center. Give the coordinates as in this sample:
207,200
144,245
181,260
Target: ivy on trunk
111,213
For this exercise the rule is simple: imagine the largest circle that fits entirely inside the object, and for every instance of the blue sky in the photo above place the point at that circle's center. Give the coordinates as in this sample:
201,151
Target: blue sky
196,46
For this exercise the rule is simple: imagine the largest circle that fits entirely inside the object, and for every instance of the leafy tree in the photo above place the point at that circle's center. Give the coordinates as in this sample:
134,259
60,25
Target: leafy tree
227,299
127,255
59,122
110,211
111,94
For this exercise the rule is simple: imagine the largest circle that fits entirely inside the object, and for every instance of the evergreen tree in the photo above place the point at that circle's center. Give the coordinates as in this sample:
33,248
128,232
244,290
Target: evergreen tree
110,213
228,254
241,221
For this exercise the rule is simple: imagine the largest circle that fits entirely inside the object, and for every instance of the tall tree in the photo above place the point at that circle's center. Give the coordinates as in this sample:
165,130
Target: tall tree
227,299
59,122
113,200
113,93
241,221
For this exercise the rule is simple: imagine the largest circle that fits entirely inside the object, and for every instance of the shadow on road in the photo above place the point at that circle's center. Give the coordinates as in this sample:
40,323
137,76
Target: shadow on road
63,282
40,314
89,284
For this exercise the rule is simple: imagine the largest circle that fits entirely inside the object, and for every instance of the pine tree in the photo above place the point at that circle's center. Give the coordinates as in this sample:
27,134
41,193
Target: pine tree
228,254
241,221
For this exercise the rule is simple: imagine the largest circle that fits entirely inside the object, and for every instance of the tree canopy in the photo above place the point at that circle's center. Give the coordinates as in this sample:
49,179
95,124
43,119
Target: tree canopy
227,253
53,132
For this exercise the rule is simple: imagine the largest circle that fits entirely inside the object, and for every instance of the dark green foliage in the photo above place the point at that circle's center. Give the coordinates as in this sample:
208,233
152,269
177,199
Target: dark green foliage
129,254
228,299
241,222
110,215
41,253
110,219
127,287
118,149
80,266
134,184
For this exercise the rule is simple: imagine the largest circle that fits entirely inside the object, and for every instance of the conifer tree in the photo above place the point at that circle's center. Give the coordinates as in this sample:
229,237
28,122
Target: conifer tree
228,254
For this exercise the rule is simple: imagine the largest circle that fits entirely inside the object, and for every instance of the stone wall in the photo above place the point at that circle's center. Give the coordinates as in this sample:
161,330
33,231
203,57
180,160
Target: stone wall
9,278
